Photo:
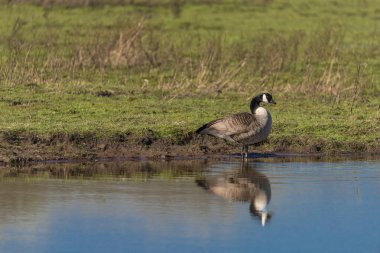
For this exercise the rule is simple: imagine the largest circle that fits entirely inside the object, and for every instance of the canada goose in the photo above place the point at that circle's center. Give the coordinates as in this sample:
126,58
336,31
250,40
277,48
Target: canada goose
245,184
245,128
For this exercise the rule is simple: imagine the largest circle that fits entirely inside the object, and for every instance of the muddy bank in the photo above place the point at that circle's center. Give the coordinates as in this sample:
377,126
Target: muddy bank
22,147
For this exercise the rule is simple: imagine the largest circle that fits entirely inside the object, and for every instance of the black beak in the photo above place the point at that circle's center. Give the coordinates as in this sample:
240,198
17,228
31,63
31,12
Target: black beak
273,102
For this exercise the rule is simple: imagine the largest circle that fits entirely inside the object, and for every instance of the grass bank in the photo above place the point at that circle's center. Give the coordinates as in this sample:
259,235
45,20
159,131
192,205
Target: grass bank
128,78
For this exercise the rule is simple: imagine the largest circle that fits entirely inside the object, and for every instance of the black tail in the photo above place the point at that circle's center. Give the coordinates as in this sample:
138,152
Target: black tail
199,130
201,182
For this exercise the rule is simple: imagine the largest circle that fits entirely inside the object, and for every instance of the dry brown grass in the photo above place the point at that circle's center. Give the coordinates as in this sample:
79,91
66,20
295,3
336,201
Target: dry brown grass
174,5
309,63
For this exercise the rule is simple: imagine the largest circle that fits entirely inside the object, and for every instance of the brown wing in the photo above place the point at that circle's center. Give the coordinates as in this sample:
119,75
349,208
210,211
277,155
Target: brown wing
246,126
235,126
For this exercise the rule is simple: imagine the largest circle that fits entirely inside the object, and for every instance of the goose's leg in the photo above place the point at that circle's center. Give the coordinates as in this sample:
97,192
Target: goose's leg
246,151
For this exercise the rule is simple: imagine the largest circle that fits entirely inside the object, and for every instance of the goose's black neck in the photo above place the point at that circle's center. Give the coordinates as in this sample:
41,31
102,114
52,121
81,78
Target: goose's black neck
255,103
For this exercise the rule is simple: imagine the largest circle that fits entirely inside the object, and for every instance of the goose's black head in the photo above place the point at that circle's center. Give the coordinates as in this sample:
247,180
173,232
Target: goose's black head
262,98
267,98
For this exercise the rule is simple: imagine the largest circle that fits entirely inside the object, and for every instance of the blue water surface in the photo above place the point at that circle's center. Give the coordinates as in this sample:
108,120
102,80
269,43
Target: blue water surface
314,207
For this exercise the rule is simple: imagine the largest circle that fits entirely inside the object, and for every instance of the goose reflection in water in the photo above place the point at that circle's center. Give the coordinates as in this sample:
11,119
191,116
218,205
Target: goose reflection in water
244,184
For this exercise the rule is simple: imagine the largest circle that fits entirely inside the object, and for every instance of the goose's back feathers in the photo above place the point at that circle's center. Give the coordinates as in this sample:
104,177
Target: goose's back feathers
240,127
232,124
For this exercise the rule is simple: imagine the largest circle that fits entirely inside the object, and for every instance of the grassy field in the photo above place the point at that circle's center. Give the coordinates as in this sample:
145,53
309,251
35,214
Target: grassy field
92,71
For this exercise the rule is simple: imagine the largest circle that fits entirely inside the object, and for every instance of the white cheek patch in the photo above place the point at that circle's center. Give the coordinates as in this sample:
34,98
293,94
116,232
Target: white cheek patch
265,98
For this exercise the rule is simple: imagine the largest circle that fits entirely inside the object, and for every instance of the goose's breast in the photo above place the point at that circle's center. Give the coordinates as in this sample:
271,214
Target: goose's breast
261,131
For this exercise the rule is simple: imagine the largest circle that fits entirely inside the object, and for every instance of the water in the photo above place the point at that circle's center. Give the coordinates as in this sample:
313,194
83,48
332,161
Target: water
267,205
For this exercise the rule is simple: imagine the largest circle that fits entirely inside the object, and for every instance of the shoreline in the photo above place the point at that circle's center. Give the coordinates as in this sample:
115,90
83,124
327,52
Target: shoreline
216,157
62,149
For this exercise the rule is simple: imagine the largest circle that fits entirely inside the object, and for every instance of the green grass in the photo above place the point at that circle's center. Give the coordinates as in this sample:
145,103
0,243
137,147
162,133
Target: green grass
60,72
